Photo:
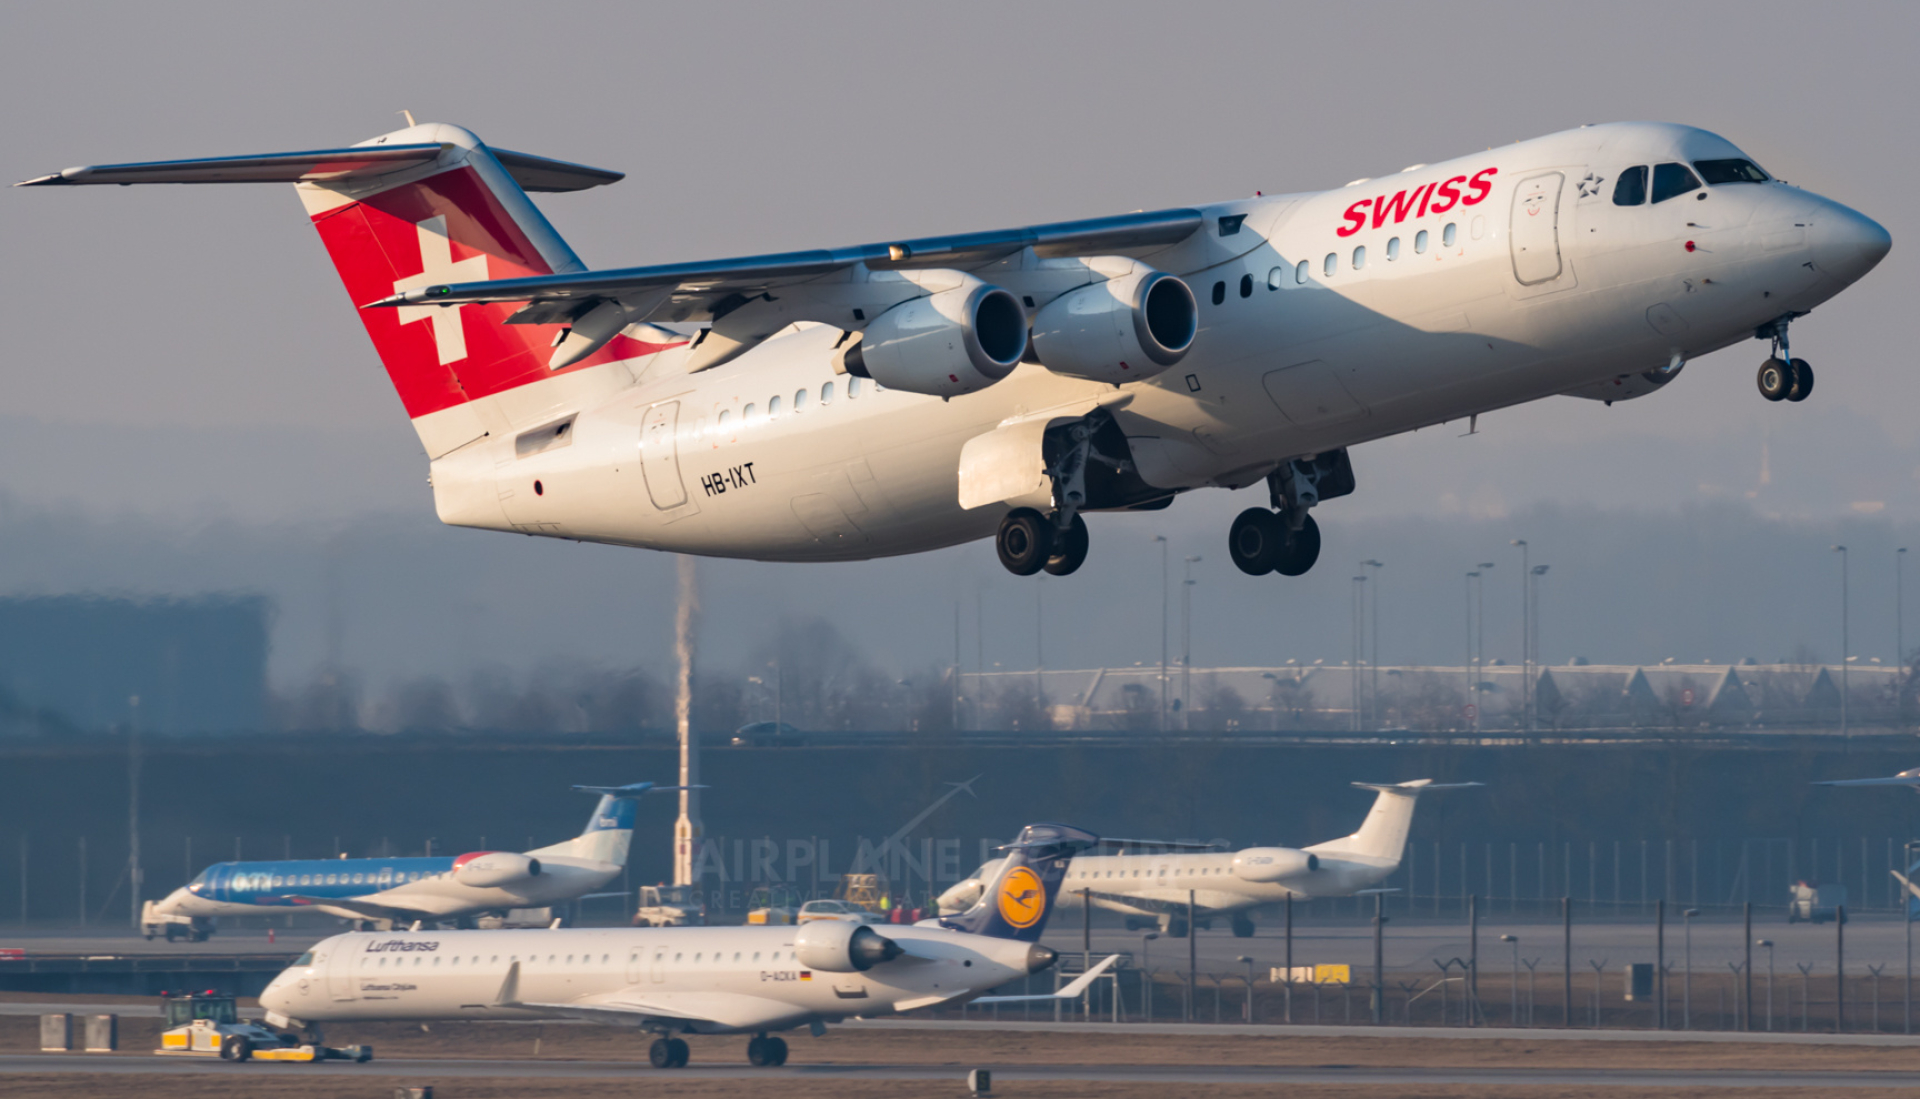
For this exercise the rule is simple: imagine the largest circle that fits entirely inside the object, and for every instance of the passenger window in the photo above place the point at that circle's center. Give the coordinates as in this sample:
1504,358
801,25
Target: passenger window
1672,181
1332,261
1716,172
1219,292
1393,249
1359,257
1276,278
773,407
799,399
725,415
853,388
1631,188
1449,234
1420,243
1300,272
747,412
826,393
1246,286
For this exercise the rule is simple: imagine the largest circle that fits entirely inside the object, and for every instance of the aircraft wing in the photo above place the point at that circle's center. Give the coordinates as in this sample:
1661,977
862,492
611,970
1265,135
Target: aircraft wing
626,1008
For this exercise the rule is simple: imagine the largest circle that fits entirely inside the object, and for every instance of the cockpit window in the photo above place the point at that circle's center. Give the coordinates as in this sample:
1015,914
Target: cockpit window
304,959
1631,188
1671,181
1716,172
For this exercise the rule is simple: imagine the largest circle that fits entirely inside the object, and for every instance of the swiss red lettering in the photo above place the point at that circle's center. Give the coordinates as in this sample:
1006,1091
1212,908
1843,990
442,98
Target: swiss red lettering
1480,187
1356,218
1449,193
1400,205
1425,194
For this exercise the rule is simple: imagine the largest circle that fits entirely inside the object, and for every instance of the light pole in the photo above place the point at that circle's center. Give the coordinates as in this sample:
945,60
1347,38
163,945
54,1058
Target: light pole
1186,644
1247,959
1146,978
1768,944
1479,636
1164,610
1686,979
1526,642
1534,576
1899,636
1472,713
1513,977
1039,649
1359,643
1373,663
1845,644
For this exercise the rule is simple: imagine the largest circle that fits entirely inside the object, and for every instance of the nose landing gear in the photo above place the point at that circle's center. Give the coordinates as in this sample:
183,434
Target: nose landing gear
1782,377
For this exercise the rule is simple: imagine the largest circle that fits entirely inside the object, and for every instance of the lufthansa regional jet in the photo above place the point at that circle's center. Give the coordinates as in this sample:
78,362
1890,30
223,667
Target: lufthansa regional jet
698,980
1155,889
901,396
385,891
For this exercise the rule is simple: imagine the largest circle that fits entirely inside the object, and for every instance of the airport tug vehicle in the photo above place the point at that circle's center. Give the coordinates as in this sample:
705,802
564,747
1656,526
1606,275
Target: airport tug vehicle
209,1025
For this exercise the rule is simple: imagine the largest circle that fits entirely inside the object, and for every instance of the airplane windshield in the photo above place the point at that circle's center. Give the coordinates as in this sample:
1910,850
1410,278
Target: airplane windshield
1729,171
1672,181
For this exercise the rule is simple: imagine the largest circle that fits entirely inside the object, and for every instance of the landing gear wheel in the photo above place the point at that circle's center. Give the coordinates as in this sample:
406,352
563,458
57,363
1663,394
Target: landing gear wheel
681,1054
1025,541
1775,379
667,1053
1802,381
1256,540
1301,551
778,1048
1242,926
236,1049
760,1052
1069,548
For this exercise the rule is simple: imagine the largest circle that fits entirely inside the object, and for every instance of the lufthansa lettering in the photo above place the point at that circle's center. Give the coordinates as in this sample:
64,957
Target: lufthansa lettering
402,946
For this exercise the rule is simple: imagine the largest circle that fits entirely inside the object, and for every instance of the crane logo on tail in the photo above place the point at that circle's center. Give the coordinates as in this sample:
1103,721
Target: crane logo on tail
1023,900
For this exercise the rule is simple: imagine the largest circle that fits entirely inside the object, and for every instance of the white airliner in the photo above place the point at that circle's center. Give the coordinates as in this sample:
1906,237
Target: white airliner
705,980
1154,888
906,395
385,891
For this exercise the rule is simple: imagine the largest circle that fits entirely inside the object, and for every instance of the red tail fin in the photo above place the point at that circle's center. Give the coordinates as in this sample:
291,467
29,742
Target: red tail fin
461,218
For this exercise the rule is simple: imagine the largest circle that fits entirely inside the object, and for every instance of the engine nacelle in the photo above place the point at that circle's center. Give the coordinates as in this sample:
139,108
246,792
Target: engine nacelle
957,341
841,946
1120,330
1274,865
493,869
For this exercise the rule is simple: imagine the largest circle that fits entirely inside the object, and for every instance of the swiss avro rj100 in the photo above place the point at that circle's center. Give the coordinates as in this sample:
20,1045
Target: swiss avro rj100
897,397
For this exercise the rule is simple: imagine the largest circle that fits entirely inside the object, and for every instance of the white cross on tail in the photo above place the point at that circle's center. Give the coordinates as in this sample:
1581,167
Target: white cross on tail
437,266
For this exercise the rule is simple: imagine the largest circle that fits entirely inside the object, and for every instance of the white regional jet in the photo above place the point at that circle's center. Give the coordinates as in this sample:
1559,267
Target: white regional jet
896,397
1154,888
706,980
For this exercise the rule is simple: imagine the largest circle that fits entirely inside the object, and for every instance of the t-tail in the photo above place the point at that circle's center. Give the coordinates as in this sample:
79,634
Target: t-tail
429,204
1016,904
1383,835
609,830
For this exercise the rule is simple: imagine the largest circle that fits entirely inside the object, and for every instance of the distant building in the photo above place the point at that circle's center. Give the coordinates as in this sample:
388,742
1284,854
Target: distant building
74,661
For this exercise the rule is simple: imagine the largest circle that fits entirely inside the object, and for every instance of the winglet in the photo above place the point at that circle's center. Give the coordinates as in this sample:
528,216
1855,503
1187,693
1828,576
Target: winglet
1070,992
509,994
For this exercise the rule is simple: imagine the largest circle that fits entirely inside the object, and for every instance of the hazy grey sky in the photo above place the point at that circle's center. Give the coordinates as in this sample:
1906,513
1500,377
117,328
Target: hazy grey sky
186,354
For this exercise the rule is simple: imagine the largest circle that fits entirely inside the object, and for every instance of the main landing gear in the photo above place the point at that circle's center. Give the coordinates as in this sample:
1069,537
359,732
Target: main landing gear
1285,539
668,1053
1029,541
765,1052
1782,377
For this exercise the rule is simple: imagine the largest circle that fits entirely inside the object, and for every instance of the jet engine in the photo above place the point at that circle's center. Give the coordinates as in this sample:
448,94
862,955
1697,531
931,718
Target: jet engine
1120,330
1274,865
842,946
959,340
492,869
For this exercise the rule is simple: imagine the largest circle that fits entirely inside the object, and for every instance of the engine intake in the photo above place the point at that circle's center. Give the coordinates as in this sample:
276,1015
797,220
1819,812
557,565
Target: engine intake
841,946
1119,330
1274,865
491,869
956,341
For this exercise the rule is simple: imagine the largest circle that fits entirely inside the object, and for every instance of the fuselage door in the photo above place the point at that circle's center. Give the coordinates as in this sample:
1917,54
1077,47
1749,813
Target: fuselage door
1535,235
659,457
340,961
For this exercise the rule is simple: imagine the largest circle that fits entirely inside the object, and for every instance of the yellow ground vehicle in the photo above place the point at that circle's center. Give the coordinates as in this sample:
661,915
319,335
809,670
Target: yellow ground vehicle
207,1025
772,905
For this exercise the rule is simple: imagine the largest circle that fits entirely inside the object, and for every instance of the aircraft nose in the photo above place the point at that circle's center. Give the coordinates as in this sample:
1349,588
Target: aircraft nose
1846,244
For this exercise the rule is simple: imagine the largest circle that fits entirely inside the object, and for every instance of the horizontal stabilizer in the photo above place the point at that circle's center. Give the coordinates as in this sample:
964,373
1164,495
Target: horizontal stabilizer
1070,992
633,790
532,173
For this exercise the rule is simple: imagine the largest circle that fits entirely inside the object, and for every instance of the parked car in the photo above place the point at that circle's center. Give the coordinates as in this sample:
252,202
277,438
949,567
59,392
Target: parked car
768,734
835,910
